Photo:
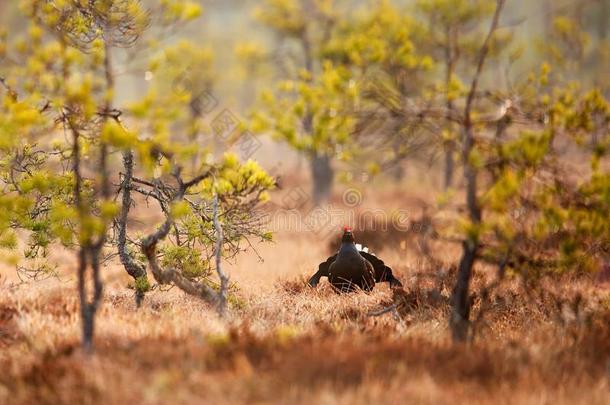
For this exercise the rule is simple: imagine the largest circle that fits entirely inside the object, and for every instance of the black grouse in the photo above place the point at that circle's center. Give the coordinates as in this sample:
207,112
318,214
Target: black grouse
353,267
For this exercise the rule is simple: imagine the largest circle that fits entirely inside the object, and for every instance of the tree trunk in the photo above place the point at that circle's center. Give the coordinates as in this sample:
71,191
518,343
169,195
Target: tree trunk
450,59
322,176
548,15
85,312
461,303
321,171
88,307
449,165
460,299
133,268
88,324
397,172
602,26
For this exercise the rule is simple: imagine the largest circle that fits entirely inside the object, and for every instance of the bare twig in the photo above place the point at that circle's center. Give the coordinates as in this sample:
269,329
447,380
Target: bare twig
383,311
170,275
224,279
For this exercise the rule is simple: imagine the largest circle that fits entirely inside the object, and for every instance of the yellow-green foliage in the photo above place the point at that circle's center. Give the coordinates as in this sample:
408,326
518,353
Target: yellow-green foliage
534,208
116,135
451,33
286,16
186,260
379,35
328,99
169,112
315,111
180,10
250,53
235,179
142,284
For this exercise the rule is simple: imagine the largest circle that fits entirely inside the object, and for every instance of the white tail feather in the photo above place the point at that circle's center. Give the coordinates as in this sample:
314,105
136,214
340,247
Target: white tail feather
362,248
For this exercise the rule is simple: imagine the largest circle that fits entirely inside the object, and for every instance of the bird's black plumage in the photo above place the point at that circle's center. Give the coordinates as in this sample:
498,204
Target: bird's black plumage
352,268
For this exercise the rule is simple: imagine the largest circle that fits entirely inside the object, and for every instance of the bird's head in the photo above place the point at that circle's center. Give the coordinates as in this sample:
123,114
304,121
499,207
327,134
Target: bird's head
348,236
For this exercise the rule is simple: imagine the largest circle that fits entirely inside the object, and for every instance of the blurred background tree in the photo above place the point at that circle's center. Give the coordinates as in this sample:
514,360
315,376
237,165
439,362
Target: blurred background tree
450,33
313,90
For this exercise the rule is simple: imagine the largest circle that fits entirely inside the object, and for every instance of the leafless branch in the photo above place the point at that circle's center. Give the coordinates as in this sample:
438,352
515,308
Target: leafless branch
224,279
170,275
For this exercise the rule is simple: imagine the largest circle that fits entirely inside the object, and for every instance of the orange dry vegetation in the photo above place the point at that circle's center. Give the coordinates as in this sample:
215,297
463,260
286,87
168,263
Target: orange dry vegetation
286,343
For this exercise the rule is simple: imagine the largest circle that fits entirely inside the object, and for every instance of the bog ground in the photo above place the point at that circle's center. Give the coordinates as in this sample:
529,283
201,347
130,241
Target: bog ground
173,172
287,343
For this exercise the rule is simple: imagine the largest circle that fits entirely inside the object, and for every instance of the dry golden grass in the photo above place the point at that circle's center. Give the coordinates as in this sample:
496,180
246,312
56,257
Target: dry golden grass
287,343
